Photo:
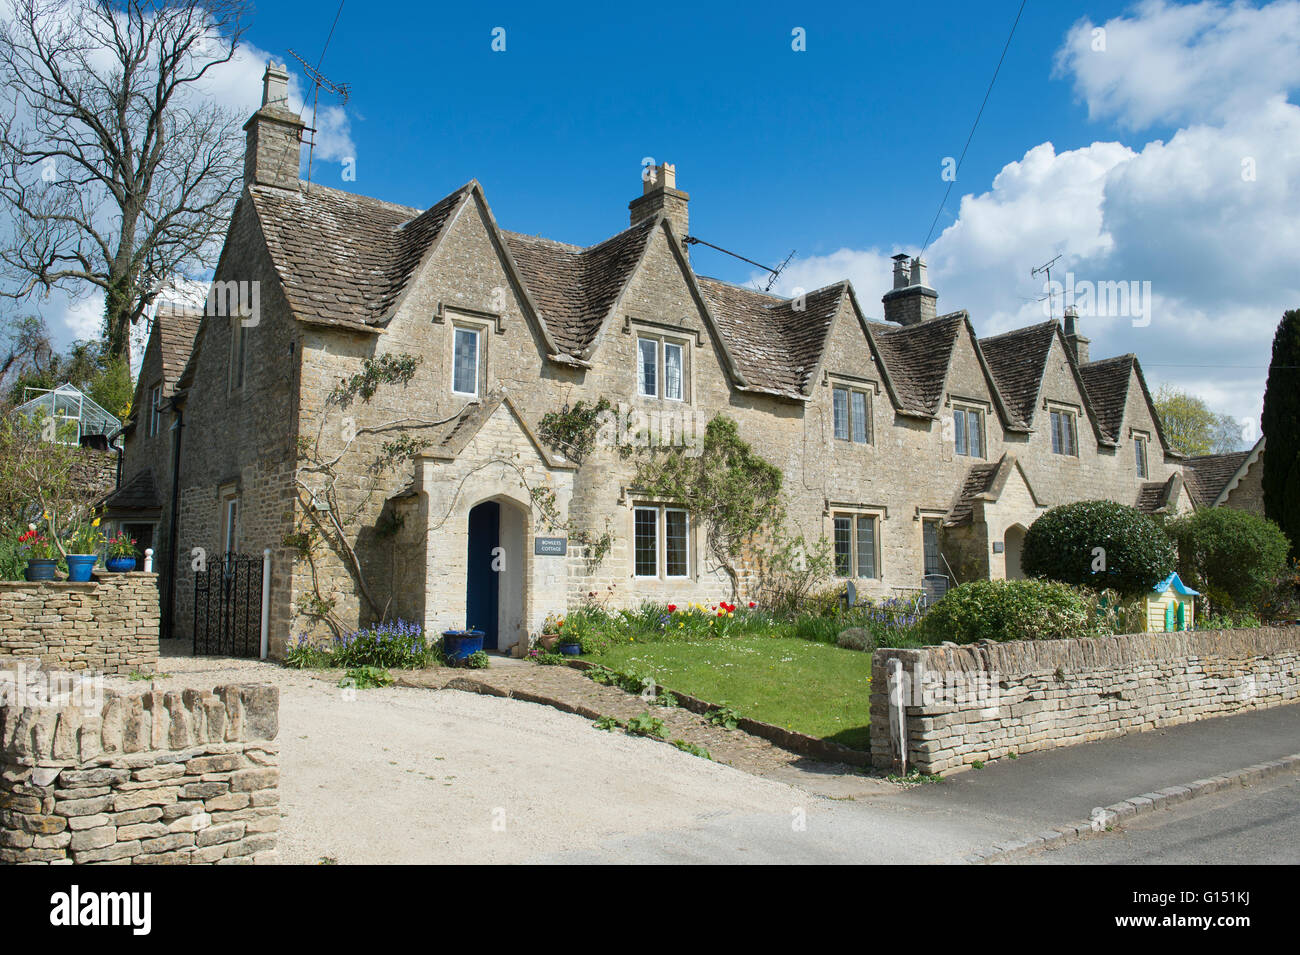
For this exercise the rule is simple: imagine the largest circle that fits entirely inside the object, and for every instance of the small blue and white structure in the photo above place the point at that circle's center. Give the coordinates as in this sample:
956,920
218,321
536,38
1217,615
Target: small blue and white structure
1171,606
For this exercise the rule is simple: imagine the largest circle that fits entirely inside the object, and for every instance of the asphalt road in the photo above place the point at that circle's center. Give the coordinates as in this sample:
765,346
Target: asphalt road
1247,825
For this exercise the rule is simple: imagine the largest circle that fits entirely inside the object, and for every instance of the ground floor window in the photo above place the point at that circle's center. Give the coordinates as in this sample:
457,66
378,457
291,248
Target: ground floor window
855,545
930,546
661,542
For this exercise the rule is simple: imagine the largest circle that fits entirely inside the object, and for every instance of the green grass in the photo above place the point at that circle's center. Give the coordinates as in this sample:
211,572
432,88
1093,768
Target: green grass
809,687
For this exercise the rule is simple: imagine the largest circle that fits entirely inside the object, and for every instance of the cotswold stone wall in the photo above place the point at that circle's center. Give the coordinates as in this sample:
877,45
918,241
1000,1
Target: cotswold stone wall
109,625
987,700
184,777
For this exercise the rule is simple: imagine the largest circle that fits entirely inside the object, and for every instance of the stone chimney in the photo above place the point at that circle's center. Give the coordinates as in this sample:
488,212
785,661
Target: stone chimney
1078,344
659,193
274,134
911,301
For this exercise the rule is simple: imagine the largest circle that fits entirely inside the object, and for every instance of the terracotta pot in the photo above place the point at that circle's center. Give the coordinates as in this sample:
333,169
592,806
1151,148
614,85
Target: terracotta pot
548,640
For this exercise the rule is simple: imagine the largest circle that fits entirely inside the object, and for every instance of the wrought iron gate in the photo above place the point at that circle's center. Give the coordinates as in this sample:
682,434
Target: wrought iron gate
228,607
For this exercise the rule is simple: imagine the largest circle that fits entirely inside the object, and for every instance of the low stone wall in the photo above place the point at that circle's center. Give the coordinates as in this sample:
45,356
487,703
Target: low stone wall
984,701
91,775
109,625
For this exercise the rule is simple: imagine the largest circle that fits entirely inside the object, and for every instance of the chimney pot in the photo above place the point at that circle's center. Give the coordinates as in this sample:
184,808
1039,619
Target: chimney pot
275,86
902,273
918,271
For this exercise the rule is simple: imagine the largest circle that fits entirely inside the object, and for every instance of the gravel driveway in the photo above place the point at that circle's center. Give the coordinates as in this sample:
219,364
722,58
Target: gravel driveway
418,776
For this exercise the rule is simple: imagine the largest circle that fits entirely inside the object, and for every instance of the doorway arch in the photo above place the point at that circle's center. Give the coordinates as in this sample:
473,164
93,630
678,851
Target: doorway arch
1013,539
495,571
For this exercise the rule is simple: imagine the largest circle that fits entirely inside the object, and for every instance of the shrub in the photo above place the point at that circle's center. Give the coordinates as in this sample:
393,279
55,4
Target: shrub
1100,545
1231,556
1015,610
1282,602
856,638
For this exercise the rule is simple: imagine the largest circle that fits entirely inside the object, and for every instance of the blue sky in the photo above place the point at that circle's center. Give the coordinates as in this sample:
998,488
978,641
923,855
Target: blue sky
1127,155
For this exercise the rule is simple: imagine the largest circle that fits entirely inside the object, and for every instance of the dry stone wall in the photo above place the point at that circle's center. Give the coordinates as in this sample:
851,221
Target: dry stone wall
88,775
109,625
984,701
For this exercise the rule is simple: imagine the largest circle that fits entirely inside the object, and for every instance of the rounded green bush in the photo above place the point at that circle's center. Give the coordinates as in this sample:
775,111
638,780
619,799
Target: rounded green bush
1014,610
1232,556
1101,545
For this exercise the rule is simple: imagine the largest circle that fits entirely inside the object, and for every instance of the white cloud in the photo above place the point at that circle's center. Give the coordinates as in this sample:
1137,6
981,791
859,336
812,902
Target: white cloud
1183,63
1210,218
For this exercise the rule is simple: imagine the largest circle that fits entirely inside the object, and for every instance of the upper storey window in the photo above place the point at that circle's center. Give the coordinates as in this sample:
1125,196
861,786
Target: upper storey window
1140,453
851,413
465,361
1065,433
660,368
968,432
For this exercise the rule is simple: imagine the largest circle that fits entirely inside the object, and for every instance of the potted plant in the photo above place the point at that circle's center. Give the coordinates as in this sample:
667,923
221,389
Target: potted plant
121,553
551,629
81,549
458,645
42,555
569,643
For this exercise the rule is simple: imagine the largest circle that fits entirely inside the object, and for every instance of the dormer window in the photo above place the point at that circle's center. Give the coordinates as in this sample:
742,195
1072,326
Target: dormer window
660,368
1140,454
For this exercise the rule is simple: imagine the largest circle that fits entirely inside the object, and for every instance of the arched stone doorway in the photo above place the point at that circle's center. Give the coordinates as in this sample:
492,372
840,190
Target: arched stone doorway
1013,546
495,572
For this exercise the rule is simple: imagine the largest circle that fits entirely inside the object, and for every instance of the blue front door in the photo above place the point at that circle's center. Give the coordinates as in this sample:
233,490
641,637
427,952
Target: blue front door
482,585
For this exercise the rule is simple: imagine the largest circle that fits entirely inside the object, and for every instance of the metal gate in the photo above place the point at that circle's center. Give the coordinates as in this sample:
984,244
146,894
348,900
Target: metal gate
228,607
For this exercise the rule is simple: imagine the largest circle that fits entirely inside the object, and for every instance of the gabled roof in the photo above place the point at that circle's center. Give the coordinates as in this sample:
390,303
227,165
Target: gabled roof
918,357
1174,582
1156,496
345,258
448,440
175,329
574,287
1017,360
1210,477
1107,383
776,345
985,482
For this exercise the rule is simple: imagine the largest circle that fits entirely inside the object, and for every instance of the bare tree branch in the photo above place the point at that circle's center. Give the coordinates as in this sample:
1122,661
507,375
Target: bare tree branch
115,170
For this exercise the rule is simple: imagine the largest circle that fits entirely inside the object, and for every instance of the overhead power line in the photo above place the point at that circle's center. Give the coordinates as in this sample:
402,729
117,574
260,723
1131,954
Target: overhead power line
974,126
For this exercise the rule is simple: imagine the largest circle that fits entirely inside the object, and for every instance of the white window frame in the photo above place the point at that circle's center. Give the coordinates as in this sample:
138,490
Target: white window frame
661,512
686,542
456,330
661,344
636,527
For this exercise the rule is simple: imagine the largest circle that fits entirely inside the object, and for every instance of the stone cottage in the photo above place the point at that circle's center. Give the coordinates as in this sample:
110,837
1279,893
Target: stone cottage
918,450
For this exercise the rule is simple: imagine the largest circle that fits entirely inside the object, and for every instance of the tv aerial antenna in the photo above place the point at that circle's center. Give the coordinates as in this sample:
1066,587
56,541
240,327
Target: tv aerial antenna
1046,269
773,273
319,81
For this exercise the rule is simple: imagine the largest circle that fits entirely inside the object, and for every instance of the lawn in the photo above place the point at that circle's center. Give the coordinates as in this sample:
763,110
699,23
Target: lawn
813,688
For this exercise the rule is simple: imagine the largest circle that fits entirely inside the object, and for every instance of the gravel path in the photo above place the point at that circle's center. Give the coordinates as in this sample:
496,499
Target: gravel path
408,775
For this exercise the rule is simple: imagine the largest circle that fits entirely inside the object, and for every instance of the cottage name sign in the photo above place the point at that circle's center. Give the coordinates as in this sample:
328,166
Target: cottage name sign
550,546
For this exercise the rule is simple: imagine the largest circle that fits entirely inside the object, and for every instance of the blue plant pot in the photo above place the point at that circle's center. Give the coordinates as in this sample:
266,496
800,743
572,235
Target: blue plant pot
570,649
120,565
40,568
80,566
459,644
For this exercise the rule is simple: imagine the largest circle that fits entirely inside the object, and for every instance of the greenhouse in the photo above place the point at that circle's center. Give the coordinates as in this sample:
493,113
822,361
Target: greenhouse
72,414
